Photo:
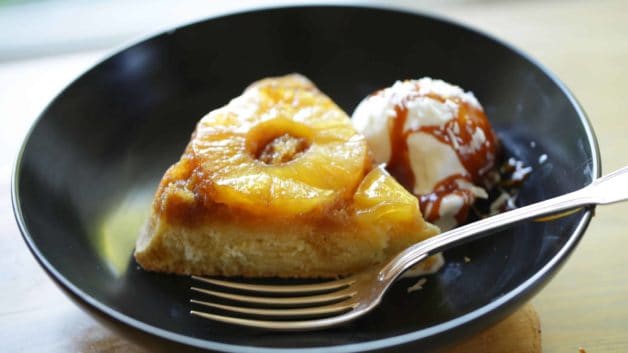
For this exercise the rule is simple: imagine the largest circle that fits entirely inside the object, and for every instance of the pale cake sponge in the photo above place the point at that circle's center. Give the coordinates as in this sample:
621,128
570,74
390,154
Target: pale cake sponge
278,184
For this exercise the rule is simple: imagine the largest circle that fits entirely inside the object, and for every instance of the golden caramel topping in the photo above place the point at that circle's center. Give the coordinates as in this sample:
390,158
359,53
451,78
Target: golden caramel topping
282,148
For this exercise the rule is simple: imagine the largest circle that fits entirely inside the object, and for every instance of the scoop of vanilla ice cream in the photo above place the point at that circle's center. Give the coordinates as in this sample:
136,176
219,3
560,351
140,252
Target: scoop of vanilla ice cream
430,112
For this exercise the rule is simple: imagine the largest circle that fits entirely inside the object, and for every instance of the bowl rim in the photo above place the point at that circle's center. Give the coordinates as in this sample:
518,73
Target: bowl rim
524,290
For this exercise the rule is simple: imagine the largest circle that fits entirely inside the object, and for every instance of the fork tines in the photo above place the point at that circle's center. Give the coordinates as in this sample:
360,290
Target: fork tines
278,306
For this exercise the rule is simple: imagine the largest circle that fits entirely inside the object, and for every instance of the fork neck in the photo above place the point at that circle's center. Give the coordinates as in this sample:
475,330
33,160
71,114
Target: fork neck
482,228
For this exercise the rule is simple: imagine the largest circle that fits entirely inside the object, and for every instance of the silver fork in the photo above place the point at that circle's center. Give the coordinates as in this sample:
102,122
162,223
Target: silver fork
325,304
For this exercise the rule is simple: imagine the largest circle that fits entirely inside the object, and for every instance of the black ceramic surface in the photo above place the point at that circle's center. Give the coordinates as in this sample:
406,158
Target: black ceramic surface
85,176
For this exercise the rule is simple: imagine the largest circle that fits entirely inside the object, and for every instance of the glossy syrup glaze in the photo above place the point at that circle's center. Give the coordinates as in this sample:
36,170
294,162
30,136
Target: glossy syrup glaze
458,132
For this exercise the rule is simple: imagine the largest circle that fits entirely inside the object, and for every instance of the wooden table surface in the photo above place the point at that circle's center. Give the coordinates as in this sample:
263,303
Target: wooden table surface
584,42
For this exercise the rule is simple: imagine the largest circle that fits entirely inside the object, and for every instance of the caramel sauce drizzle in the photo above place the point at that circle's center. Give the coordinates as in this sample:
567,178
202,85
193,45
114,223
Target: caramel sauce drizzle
477,161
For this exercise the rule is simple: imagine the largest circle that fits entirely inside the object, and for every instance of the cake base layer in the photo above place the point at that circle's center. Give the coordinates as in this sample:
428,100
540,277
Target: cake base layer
229,249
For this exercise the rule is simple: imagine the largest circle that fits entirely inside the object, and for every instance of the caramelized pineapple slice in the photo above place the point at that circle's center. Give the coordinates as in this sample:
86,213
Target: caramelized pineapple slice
280,149
384,207
381,199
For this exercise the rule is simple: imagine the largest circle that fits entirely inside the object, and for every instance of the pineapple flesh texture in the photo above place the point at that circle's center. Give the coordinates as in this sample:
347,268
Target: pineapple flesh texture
228,140
278,183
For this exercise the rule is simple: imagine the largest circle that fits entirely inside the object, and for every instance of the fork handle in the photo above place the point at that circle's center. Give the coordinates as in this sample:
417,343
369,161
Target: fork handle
607,189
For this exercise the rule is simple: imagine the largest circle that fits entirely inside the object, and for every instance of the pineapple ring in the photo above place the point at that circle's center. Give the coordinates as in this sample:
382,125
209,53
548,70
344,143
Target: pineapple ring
328,171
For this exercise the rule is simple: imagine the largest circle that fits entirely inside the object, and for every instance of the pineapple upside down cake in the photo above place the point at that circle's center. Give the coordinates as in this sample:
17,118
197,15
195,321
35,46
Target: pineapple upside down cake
278,183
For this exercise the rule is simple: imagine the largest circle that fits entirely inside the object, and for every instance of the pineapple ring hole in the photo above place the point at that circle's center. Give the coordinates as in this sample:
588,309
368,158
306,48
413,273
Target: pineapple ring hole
278,143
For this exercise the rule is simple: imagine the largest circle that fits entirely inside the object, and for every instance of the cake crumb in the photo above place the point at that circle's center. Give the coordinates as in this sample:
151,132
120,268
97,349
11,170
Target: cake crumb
581,350
466,259
418,286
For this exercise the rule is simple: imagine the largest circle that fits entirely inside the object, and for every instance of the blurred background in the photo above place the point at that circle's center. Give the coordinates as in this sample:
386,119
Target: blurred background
35,28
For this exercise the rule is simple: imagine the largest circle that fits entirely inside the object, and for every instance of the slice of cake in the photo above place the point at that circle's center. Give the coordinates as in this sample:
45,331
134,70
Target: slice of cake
278,183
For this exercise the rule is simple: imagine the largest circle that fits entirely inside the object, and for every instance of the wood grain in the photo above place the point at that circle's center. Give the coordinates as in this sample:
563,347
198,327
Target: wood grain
584,42
518,333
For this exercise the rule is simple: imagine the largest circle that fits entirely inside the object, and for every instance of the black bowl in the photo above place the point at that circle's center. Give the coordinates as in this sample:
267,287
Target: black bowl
85,176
